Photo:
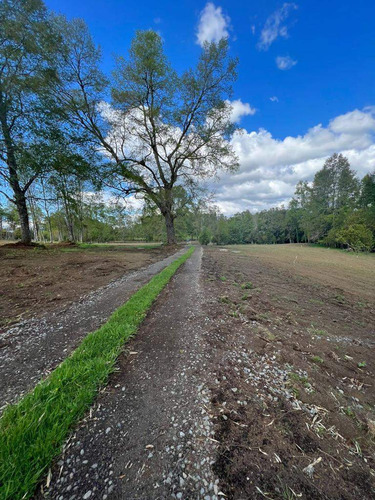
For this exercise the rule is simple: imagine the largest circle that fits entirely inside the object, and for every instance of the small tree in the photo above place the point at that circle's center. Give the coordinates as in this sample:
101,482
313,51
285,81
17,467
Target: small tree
162,130
204,237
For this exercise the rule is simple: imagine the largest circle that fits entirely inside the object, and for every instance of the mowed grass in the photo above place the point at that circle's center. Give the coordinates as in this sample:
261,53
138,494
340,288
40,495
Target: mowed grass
33,431
352,273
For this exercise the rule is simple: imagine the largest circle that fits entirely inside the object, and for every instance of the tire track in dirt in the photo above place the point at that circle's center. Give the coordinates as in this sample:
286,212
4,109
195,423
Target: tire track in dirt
149,435
31,349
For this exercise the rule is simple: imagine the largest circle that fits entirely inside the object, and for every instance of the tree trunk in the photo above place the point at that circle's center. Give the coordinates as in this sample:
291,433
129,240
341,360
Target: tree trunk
169,224
24,218
19,194
47,213
68,217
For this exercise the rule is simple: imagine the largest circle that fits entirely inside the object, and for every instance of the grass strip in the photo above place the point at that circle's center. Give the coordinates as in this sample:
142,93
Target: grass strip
33,431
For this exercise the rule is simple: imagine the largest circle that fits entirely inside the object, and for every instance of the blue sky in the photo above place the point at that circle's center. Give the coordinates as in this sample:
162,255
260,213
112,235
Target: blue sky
315,59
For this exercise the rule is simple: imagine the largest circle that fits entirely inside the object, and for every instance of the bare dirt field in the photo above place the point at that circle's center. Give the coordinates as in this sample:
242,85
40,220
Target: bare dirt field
37,280
294,350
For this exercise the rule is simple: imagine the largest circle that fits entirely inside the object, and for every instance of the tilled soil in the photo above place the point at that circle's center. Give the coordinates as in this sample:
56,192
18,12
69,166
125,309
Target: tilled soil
243,382
29,350
294,405
34,280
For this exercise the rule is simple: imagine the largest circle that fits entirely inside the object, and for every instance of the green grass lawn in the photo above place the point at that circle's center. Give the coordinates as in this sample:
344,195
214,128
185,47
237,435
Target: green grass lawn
33,431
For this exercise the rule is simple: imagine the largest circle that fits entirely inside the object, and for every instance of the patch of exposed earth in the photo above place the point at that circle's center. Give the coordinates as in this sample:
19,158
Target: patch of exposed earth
30,349
36,280
294,406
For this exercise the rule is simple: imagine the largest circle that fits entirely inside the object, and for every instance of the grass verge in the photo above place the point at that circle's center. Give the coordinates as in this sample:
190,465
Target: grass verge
33,431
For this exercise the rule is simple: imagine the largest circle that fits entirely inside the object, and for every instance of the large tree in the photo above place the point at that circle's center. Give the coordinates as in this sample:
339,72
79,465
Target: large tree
29,45
161,130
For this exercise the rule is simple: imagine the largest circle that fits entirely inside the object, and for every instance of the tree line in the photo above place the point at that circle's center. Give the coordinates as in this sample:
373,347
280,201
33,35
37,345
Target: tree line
336,209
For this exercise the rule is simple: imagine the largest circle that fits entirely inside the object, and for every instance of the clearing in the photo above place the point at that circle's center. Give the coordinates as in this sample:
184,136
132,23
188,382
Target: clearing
252,376
36,280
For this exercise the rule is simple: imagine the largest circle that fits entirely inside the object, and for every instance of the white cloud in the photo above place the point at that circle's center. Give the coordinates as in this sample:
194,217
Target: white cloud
240,109
285,62
213,25
274,99
355,122
275,26
270,168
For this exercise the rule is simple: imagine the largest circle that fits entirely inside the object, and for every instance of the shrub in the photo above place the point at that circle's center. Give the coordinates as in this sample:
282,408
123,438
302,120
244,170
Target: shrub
356,236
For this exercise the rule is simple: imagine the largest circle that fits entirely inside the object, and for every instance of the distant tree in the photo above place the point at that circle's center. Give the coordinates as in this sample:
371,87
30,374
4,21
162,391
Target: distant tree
366,212
221,232
293,221
367,196
163,130
204,237
326,204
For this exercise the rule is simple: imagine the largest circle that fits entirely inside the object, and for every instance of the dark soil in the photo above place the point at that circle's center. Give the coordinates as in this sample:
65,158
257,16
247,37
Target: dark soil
23,246
34,280
296,371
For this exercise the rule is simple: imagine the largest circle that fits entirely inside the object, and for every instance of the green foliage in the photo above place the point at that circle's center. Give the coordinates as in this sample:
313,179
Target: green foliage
33,431
204,237
317,359
247,286
356,236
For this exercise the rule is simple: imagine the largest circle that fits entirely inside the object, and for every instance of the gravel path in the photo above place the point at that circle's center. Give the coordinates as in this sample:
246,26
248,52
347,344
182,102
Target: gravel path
150,434
32,348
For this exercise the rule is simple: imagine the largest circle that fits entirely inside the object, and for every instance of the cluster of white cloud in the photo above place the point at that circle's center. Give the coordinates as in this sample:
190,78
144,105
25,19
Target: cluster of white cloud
270,168
285,62
275,26
213,25
240,109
